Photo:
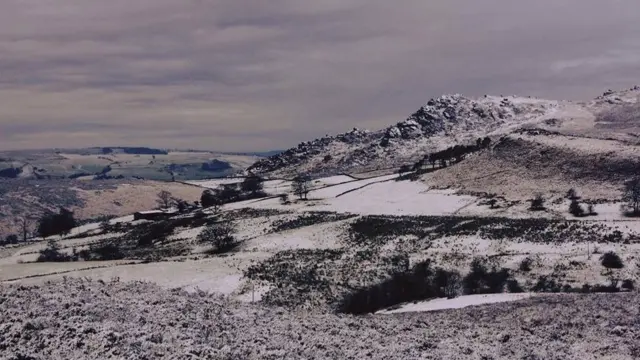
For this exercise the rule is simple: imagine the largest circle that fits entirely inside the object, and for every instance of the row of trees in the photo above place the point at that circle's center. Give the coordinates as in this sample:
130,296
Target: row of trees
448,156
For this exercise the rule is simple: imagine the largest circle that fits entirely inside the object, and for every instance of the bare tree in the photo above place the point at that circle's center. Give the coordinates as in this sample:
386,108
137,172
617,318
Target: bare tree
632,195
302,186
165,199
25,223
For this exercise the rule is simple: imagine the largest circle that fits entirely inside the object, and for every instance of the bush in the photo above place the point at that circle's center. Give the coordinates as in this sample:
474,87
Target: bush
52,253
284,199
611,260
628,284
210,199
146,236
11,239
537,203
544,284
514,287
572,194
479,280
575,209
107,251
220,235
525,264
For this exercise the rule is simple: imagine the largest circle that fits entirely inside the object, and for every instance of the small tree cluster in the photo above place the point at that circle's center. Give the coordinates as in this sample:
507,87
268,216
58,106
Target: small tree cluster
455,153
253,184
210,199
481,280
56,224
9,239
302,186
220,236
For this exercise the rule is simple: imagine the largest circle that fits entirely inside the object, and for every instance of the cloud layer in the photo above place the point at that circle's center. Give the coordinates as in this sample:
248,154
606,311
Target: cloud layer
244,75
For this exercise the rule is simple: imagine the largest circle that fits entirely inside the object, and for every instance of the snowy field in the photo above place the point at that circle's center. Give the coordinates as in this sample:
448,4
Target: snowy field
214,183
341,194
456,303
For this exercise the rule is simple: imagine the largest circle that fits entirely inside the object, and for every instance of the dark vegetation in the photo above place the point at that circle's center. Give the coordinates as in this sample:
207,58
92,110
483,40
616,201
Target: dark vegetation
309,219
451,155
10,173
220,236
424,282
537,203
143,151
611,260
631,196
216,165
147,241
315,277
56,224
376,230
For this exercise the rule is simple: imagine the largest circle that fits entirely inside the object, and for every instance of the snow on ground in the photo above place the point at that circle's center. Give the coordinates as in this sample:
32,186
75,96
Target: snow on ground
217,274
36,270
376,196
332,180
322,236
276,187
398,198
214,183
333,191
456,303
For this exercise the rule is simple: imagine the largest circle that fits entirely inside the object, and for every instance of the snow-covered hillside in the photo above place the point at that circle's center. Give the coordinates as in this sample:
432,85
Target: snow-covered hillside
441,122
457,120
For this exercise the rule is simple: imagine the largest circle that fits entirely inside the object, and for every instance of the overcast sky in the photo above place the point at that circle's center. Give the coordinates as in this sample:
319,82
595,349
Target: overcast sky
248,75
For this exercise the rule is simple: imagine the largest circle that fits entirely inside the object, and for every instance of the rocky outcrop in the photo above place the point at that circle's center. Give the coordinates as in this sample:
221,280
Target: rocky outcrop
440,123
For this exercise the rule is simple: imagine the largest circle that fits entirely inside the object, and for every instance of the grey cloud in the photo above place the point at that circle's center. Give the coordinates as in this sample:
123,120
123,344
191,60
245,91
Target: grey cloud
255,75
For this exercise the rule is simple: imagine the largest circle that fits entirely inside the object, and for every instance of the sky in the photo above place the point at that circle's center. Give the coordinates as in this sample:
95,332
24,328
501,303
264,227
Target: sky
256,75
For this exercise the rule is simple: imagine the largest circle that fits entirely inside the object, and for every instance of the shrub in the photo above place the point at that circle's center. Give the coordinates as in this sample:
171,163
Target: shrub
447,283
514,287
544,284
479,280
107,251
537,203
220,235
525,264
52,253
628,284
575,209
611,260
11,239
156,231
284,199
252,184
